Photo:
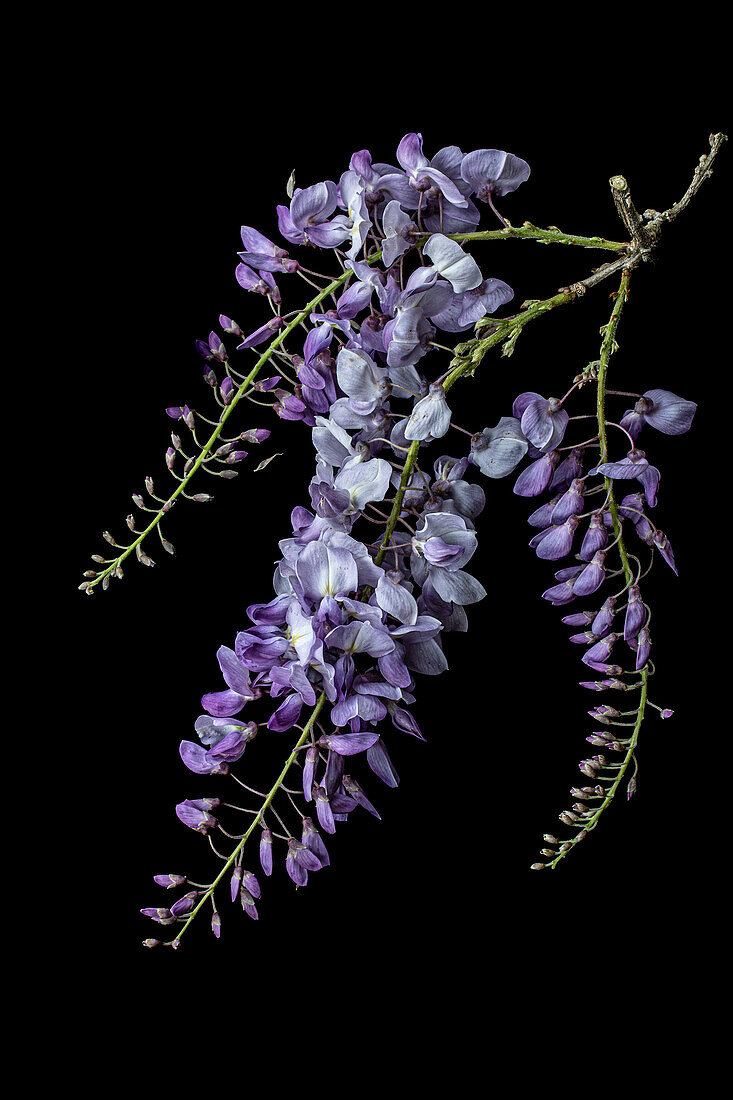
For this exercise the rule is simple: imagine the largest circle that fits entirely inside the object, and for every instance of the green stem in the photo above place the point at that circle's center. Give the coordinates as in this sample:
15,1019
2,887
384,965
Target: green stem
530,232
469,355
258,816
399,497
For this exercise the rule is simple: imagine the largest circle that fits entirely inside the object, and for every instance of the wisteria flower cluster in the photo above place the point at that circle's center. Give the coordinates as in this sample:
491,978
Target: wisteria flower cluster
376,568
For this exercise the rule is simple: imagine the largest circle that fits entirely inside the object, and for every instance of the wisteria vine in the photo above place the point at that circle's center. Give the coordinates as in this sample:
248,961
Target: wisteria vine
355,620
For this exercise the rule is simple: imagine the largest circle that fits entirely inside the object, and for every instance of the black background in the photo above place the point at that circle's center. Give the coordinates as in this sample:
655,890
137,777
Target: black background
169,160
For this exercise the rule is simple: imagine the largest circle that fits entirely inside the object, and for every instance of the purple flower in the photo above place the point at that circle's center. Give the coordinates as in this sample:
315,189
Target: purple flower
664,410
555,543
636,614
595,538
307,218
536,478
599,653
465,309
634,465
266,851
314,842
262,254
570,503
452,263
643,647
493,172
592,576
184,905
261,334
300,860
383,181
213,349
603,621
400,232
497,451
287,714
430,418
543,420
169,881
194,813
160,916
664,547
261,283
352,193
224,704
347,744
422,176
323,809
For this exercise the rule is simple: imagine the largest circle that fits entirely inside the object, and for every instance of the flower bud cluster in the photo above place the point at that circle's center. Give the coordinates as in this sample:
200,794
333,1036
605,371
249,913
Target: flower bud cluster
582,528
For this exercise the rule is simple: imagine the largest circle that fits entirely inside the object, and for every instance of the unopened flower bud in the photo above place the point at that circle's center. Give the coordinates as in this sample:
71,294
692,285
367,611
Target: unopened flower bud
236,882
604,713
169,881
229,325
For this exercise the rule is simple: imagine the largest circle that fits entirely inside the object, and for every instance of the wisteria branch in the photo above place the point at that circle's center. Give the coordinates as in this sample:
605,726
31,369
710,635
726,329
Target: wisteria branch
354,623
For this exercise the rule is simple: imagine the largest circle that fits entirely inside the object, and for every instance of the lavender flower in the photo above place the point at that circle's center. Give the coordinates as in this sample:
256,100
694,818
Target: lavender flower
664,410
493,172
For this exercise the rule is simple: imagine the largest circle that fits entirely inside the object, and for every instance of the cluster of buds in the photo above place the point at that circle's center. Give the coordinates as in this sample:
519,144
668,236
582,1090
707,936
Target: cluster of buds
571,520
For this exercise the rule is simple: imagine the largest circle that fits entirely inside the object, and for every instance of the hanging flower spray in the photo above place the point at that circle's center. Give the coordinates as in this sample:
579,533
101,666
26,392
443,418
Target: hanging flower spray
375,571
